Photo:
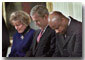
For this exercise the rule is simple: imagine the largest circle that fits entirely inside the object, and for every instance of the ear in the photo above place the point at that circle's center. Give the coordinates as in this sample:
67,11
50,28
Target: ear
63,20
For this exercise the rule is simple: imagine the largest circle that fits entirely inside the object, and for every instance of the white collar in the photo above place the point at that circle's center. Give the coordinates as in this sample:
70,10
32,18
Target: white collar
44,29
69,21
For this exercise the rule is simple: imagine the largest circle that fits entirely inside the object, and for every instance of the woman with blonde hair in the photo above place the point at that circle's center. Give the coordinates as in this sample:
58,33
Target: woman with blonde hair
22,39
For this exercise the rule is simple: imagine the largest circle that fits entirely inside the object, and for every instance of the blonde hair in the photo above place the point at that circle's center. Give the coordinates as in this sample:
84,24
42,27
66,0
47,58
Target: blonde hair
20,16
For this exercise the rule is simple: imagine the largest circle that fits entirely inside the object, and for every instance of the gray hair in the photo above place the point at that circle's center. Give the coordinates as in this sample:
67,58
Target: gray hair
40,10
20,16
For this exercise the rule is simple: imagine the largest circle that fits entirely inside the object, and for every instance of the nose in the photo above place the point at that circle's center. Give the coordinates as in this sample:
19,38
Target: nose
16,27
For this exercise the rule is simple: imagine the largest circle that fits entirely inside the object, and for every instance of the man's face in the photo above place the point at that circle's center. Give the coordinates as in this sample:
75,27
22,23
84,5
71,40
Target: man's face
55,24
20,27
40,22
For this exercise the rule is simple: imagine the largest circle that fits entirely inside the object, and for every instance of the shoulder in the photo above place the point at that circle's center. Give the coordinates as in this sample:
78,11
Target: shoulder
75,25
38,30
16,34
32,30
75,22
50,30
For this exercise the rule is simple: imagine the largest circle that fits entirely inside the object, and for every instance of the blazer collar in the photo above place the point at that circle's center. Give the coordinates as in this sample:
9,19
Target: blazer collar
43,38
69,32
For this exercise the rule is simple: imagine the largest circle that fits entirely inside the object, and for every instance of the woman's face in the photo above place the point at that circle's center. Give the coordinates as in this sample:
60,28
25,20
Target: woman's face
20,27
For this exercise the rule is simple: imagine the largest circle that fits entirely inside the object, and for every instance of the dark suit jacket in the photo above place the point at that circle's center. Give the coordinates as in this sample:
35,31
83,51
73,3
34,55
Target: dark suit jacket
72,45
46,46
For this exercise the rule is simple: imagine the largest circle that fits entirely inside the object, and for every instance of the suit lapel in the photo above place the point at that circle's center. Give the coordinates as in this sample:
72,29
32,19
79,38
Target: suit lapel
61,40
43,38
68,33
35,41
66,40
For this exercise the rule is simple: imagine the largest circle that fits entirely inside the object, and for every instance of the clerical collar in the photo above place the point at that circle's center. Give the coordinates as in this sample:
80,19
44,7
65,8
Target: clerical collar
26,30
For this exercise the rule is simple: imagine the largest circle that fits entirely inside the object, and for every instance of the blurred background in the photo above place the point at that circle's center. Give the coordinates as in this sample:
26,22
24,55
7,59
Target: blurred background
73,9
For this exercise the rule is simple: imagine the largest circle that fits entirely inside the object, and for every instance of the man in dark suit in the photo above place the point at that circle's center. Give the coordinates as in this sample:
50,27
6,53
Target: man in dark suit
5,38
70,34
43,44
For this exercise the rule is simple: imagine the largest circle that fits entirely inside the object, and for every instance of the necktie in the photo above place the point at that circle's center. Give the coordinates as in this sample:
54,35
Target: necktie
39,36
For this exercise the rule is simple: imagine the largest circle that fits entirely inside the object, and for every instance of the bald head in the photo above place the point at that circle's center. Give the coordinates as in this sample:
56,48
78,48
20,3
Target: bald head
57,21
56,15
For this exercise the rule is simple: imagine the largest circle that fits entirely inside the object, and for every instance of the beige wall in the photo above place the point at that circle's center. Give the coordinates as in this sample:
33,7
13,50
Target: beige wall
73,9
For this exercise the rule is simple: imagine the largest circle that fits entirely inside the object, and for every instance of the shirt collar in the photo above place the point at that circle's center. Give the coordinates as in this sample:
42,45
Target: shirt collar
45,29
69,21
